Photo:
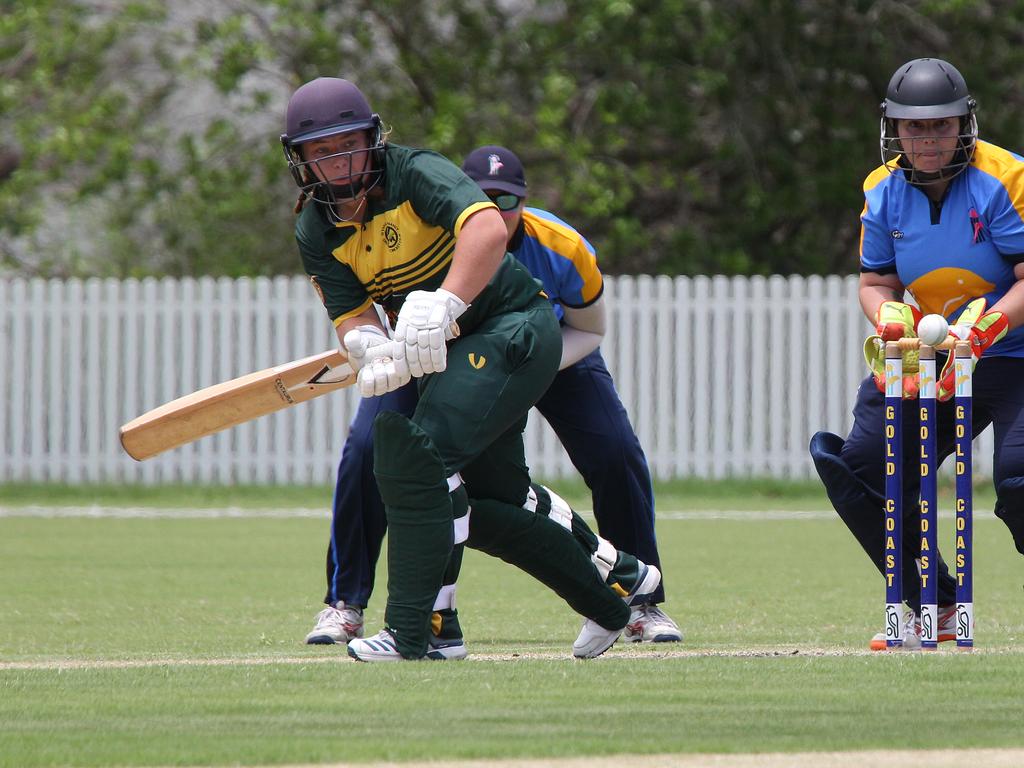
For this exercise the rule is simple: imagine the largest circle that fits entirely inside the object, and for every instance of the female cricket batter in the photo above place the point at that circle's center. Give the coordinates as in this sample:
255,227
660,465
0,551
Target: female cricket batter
582,405
943,219
407,230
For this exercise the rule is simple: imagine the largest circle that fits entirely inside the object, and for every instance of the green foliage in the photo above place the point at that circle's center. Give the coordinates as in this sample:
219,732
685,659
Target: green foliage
69,122
681,136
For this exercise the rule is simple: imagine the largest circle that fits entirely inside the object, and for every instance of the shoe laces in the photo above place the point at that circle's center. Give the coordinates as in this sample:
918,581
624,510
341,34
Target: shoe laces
650,613
339,617
655,613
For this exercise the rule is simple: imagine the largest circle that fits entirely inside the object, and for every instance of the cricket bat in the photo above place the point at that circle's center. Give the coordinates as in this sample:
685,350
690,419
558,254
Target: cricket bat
234,402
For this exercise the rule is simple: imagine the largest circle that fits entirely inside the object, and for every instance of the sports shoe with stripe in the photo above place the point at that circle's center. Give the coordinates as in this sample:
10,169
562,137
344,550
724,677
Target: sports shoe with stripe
593,639
382,647
452,649
445,641
947,623
912,630
336,623
649,624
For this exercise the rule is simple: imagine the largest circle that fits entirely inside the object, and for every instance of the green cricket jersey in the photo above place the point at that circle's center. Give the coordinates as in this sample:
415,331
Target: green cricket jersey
405,244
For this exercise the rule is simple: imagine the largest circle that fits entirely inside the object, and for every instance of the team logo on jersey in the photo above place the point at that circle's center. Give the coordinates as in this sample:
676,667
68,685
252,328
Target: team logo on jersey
940,291
391,237
977,227
318,289
494,165
897,234
477,362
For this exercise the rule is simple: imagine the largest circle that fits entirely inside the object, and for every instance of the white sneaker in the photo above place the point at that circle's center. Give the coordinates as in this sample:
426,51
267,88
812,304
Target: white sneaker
336,625
647,581
446,650
912,630
947,624
594,640
911,635
380,647
649,624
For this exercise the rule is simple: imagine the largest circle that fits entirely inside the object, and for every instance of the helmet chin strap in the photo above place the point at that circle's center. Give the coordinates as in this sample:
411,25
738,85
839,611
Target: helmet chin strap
352,192
359,199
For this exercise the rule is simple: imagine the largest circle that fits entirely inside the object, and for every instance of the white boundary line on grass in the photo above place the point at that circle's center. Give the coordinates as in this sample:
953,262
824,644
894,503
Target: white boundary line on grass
618,654
173,513
931,758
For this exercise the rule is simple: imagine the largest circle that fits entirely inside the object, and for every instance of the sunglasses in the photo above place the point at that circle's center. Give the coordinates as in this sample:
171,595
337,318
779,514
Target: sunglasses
506,201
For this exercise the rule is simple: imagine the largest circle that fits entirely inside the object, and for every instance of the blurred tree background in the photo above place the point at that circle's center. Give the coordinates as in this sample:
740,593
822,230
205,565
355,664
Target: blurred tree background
680,136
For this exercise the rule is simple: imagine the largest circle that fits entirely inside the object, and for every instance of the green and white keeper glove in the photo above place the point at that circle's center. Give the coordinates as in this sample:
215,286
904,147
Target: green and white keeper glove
894,320
982,329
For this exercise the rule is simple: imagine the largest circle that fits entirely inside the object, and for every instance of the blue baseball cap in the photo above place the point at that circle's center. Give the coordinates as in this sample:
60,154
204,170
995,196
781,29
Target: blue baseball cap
496,168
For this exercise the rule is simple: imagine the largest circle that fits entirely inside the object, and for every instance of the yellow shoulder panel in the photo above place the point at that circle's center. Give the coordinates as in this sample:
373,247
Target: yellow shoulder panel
469,212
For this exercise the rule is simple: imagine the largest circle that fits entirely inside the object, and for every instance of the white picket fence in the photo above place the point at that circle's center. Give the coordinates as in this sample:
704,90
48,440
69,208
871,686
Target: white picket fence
723,377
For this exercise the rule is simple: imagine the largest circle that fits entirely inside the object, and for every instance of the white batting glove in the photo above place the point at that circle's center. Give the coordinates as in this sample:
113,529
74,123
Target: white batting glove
423,325
371,353
381,375
360,344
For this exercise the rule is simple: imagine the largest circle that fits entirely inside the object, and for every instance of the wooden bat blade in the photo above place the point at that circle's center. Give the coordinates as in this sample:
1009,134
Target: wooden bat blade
234,402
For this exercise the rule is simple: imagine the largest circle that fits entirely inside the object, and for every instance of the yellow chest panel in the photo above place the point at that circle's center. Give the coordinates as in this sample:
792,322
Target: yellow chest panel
397,252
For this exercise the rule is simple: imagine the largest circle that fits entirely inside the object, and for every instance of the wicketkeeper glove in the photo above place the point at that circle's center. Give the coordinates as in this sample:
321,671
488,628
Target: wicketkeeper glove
895,320
982,329
874,356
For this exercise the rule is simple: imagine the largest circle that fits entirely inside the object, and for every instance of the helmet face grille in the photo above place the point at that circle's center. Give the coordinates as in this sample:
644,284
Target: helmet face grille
325,107
333,191
927,89
895,153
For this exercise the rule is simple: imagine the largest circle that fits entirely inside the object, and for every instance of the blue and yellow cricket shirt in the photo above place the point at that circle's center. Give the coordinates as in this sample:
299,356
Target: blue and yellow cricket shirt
560,257
405,243
962,248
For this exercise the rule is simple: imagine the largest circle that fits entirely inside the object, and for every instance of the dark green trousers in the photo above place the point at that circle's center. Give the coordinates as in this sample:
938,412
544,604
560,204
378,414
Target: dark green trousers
470,420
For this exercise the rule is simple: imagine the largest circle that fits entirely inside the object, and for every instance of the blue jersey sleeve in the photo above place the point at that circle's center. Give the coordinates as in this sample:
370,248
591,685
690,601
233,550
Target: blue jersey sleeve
561,258
876,248
1003,212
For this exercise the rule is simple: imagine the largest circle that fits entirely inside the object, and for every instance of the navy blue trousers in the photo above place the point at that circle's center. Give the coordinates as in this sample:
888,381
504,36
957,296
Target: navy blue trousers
998,399
583,409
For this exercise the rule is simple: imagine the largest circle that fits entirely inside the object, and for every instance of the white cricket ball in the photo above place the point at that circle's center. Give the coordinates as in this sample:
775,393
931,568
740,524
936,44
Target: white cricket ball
932,329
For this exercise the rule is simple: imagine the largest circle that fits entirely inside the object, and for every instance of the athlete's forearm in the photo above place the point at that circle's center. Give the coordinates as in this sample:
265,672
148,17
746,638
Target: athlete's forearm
369,317
479,249
875,289
1012,303
576,345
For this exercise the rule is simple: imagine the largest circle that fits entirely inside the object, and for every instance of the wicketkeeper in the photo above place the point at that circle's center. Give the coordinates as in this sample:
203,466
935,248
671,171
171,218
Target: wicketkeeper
943,220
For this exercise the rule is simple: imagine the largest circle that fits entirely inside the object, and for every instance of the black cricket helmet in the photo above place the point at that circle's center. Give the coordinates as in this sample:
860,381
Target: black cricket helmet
926,89
328,106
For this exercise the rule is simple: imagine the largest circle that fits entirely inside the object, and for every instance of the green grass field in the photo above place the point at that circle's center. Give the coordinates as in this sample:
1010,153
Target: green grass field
178,641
